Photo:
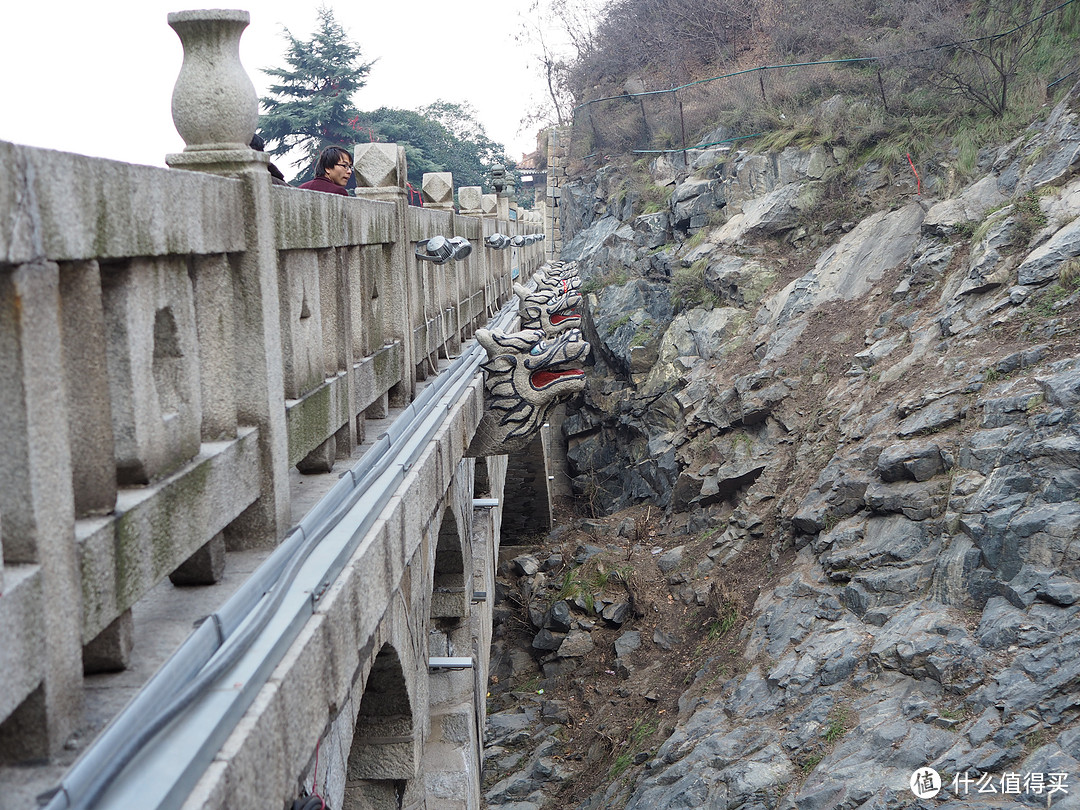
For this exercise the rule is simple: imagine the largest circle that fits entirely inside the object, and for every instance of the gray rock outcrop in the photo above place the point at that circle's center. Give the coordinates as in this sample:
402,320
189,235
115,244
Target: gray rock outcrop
906,413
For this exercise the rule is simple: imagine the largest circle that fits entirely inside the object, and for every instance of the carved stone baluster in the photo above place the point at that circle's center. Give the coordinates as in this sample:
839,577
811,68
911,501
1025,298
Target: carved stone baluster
214,104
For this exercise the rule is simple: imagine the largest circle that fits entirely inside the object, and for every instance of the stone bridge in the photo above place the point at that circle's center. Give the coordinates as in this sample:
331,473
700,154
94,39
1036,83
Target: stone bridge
190,358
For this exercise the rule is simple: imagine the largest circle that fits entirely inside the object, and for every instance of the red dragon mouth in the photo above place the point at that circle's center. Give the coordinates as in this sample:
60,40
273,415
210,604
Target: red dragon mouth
560,318
542,379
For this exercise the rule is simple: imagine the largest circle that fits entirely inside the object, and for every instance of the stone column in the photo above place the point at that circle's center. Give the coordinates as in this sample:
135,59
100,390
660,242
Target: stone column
381,174
556,176
216,111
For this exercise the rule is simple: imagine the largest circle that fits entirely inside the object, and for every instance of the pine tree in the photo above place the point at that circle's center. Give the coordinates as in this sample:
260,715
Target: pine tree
311,107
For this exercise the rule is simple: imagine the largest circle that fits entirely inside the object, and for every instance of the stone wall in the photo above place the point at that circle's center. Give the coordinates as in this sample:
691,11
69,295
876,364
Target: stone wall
558,154
527,509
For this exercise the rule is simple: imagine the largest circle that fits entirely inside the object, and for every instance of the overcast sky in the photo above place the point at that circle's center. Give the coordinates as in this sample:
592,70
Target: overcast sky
97,78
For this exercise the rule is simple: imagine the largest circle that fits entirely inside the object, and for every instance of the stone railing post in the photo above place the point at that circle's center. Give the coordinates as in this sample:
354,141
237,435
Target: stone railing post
381,174
498,265
437,189
469,200
216,111
41,608
504,190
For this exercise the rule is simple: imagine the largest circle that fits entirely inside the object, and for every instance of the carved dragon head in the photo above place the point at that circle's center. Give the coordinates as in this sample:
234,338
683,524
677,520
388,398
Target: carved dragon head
550,311
558,280
527,375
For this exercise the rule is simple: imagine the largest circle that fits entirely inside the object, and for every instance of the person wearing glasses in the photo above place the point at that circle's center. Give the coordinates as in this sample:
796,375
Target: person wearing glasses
332,172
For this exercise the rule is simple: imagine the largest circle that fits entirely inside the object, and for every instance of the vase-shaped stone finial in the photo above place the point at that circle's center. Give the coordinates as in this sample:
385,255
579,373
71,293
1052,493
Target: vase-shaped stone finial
214,104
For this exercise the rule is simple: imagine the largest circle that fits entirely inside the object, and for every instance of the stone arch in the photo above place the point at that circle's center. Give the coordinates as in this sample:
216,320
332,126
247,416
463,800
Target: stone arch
450,587
382,756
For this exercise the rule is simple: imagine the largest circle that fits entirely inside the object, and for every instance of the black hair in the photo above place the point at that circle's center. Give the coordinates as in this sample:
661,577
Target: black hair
329,158
257,143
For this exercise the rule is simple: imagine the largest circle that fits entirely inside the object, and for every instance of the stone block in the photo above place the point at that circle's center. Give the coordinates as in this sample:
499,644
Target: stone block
317,417
319,460
301,321
90,430
37,501
377,165
22,636
382,749
205,567
379,409
110,650
255,753
489,204
191,213
339,606
32,413
212,282
304,690
21,737
374,795
470,199
446,604
451,686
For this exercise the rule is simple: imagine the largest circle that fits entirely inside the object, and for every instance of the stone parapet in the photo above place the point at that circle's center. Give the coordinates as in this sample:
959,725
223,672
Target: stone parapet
171,371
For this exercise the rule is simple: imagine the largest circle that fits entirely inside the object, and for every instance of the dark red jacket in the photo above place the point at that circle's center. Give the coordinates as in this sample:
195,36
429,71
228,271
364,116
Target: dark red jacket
322,184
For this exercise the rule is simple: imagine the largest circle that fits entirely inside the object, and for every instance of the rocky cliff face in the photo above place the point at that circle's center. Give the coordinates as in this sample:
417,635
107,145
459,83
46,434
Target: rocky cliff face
886,408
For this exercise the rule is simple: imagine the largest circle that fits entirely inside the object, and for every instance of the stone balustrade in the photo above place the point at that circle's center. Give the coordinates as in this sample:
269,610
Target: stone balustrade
172,341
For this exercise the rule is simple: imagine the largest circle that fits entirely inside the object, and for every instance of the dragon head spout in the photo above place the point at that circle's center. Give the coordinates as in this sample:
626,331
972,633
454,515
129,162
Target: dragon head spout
527,374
